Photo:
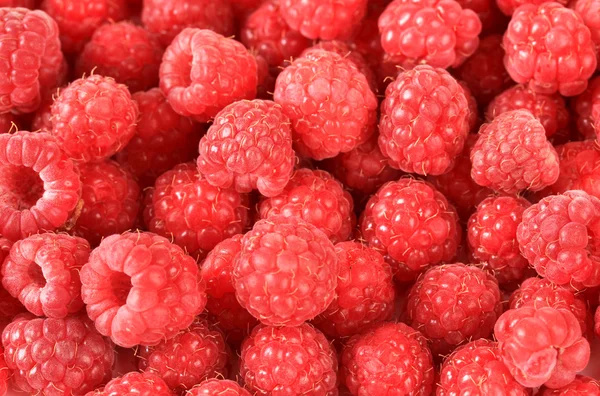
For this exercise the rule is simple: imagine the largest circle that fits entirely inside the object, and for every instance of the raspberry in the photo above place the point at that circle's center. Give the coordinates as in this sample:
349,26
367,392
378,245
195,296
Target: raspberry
162,139
184,207
218,387
541,346
329,101
559,237
110,201
248,146
512,154
93,118
582,109
508,7
9,306
439,33
202,72
424,121
140,289
39,187
134,384
289,361
412,225
390,359
193,355
31,58
582,385
549,48
492,237
125,52
286,272
56,356
477,369
589,11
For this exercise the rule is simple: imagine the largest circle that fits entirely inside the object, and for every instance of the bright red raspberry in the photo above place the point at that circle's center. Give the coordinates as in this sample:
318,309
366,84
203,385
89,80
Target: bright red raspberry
9,306
289,361
512,154
286,272
218,387
329,101
412,225
57,356
508,7
548,47
248,146
542,346
134,384
202,72
390,359
581,385
559,237
477,369
424,121
141,289
39,186
582,109
93,118
439,33
589,11
184,207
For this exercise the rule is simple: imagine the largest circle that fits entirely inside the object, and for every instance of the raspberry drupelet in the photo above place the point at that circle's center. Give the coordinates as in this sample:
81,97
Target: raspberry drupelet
134,384
581,385
218,387
589,11
141,289
582,107
202,72
9,306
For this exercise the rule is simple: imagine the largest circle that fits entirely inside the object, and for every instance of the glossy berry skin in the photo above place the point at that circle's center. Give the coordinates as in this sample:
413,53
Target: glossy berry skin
134,384
512,154
548,47
542,346
289,361
140,289
581,385
57,356
439,33
286,272
412,225
218,387
202,72
329,102
582,109
317,198
370,362
93,118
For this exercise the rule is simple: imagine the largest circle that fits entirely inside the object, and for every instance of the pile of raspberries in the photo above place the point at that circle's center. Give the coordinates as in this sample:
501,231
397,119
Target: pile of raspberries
299,197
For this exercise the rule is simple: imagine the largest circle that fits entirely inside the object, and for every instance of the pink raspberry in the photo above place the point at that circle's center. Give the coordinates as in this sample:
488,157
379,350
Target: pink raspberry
390,359
184,207
477,369
134,384
439,33
424,121
248,146
512,154
582,109
542,346
202,72
559,237
581,385
9,306
286,272
141,289
289,361
218,387
548,47
589,11
56,356
329,101
508,7
93,118
412,225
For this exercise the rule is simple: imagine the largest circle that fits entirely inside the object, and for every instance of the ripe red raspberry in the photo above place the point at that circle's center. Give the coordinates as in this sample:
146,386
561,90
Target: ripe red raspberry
424,121
558,235
412,225
390,359
134,384
286,272
542,346
582,385
589,11
125,52
32,59
439,33
202,72
477,369
512,154
141,289
39,186
508,7
93,118
184,207
57,356
548,47
329,101
289,361
248,146
582,109
218,387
